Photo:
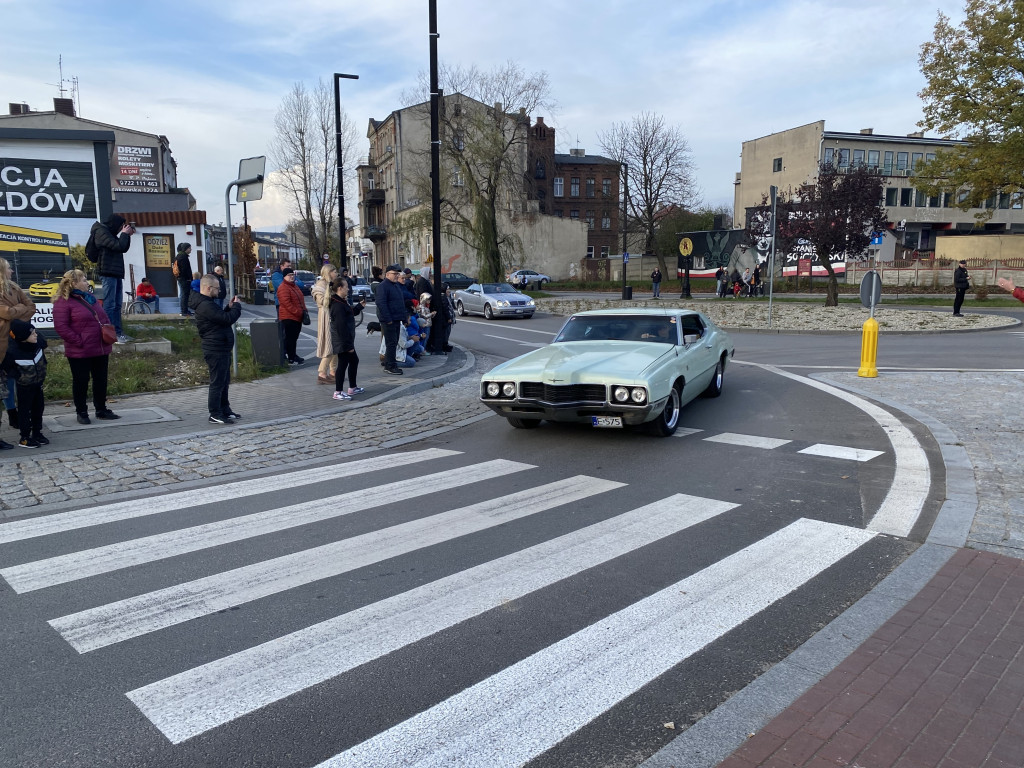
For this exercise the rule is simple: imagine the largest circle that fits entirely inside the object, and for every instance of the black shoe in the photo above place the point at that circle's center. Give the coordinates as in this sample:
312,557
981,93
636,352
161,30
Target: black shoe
27,442
394,371
957,314
233,416
83,418
300,360
218,420
40,438
107,415
6,446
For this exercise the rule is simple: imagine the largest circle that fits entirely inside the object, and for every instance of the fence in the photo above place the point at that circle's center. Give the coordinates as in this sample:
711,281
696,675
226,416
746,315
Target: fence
937,273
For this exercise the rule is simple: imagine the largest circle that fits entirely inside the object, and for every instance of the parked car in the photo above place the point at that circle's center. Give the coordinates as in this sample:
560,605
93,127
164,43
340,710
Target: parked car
613,368
494,300
362,289
525,278
262,278
47,289
457,280
305,280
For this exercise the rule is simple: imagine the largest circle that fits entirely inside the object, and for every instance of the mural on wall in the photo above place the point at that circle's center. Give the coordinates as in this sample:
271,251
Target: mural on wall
729,248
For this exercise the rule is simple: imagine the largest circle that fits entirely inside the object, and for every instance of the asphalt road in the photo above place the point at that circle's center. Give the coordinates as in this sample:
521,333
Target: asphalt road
487,596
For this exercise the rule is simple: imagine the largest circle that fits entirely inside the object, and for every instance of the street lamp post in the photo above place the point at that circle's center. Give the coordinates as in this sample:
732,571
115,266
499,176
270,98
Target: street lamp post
626,293
337,151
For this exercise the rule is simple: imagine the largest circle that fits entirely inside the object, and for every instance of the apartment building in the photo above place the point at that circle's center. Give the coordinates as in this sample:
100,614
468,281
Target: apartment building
789,158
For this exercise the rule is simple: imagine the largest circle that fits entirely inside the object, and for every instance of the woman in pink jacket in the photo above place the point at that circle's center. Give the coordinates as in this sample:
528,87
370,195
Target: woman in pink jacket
77,318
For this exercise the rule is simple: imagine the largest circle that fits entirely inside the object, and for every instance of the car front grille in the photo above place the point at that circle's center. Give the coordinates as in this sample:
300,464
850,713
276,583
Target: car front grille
517,302
570,393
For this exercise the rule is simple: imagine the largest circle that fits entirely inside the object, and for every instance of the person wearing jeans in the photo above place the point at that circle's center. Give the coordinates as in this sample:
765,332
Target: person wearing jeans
113,237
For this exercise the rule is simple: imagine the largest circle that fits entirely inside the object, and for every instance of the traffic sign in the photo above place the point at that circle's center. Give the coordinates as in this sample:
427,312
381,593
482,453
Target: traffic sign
870,289
686,246
251,168
625,258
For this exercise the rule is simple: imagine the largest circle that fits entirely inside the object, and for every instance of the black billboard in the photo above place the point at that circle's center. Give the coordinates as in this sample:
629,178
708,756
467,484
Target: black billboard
31,188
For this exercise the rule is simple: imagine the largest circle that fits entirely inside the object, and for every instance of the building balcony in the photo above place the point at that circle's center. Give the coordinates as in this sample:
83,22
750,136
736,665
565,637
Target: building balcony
374,232
373,196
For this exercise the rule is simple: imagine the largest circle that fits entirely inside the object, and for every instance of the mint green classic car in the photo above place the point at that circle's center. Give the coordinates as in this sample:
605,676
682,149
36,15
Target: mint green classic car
613,368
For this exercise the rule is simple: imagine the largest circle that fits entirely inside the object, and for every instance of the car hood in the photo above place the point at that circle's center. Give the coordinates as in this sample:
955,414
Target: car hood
582,362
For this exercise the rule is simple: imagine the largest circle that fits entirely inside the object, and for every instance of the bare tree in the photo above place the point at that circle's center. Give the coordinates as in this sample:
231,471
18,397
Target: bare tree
483,158
661,170
303,152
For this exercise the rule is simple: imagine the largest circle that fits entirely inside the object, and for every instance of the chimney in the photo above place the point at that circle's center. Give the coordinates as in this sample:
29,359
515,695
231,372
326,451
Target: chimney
540,120
64,106
916,135
17,109
577,152
867,131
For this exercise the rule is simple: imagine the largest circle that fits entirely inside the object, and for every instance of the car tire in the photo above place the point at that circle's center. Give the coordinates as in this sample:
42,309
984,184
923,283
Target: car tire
668,420
717,381
519,423
460,309
542,284
488,312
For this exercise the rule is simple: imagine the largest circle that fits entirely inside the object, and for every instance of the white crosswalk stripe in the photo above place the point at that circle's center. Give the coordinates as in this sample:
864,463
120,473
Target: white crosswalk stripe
503,719
751,441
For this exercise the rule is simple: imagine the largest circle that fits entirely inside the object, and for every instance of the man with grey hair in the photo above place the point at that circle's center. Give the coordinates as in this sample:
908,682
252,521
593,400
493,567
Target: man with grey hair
214,326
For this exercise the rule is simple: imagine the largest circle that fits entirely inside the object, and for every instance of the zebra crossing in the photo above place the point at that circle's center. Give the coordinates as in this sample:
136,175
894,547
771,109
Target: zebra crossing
504,719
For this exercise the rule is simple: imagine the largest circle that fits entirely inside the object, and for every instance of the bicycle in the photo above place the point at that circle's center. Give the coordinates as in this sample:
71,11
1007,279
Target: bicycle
136,306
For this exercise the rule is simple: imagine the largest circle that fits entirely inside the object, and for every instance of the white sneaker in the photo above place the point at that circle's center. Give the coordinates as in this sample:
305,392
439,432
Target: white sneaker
342,396
122,339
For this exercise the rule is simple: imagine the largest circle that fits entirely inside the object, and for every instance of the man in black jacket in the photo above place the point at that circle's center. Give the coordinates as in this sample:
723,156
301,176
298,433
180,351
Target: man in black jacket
184,277
113,238
218,339
391,312
961,282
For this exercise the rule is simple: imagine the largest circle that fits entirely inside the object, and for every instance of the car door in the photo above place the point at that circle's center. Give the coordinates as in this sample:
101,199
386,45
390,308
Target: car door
473,298
698,352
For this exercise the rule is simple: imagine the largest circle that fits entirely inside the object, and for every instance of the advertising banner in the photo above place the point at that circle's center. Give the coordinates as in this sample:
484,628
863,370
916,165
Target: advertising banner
157,249
33,188
138,169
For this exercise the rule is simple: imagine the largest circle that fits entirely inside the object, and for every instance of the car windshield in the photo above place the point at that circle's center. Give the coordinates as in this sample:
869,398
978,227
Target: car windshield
499,288
659,330
361,281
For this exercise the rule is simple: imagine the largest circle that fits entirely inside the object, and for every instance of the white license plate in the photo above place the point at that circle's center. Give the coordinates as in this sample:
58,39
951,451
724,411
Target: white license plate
606,421
519,311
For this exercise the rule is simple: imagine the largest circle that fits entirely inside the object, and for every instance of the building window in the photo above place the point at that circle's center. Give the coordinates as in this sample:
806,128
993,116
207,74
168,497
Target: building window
858,158
891,194
590,251
559,214
887,168
915,159
539,172
1004,200
590,219
604,251
606,186
574,187
590,187
606,220
919,198
901,160
1018,201
776,165
830,154
574,215
844,158
370,182
457,180
906,197
558,185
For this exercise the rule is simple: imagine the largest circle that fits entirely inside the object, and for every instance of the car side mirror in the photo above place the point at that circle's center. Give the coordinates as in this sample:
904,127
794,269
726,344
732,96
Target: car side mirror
690,338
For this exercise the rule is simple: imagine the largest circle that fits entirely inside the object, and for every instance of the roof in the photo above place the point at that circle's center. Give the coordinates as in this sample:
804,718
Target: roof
858,136
584,160
75,118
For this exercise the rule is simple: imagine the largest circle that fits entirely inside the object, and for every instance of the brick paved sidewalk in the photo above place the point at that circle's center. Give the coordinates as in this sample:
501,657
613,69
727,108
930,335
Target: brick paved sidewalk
939,685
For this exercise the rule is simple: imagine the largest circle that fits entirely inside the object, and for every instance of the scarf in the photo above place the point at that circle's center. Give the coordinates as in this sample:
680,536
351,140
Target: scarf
88,298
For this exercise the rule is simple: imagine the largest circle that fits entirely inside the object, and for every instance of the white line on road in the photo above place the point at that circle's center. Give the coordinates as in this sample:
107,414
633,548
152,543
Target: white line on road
62,569
687,431
751,441
840,452
526,709
113,623
195,701
124,510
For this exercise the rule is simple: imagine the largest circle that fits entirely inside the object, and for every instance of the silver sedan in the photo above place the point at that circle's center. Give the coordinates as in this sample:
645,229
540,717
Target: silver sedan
494,300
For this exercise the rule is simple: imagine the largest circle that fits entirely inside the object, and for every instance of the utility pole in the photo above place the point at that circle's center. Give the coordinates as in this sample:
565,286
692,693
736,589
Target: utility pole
337,156
435,160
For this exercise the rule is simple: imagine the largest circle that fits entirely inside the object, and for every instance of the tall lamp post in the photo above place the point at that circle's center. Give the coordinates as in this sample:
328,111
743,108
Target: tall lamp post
337,152
627,293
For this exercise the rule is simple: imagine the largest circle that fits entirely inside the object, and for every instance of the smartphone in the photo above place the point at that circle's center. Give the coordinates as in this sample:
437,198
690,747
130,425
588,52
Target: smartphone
131,224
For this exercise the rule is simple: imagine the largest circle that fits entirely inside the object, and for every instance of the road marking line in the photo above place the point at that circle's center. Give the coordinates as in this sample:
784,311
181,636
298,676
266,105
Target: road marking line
527,708
687,431
115,622
216,693
751,441
840,452
911,480
62,569
125,510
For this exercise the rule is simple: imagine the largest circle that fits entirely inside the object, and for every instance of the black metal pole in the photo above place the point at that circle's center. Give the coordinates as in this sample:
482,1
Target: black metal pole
625,195
687,261
435,154
337,152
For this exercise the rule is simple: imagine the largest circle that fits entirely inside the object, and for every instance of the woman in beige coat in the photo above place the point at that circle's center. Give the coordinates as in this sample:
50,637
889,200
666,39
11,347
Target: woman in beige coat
321,292
14,305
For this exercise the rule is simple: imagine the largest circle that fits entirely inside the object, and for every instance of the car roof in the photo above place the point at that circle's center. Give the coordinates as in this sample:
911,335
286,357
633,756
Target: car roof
666,312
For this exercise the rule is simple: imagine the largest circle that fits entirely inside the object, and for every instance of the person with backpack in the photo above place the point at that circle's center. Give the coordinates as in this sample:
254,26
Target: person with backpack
25,362
108,242
182,269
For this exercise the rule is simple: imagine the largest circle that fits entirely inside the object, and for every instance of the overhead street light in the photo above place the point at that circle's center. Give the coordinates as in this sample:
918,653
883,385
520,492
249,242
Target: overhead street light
341,184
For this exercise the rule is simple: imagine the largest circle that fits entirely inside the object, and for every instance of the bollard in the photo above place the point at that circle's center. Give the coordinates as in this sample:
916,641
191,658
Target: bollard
869,349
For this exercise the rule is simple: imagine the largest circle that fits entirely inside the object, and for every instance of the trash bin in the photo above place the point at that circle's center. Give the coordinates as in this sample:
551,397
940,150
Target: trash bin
267,343
259,296
627,293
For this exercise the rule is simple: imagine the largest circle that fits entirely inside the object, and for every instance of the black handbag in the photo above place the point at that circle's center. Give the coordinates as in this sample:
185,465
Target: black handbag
305,317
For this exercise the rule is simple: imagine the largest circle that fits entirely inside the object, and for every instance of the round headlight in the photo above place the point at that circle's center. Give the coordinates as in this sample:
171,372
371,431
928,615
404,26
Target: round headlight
493,389
508,389
638,395
621,394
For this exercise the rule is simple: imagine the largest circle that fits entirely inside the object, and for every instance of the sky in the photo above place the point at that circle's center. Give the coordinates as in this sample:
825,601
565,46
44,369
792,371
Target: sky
211,75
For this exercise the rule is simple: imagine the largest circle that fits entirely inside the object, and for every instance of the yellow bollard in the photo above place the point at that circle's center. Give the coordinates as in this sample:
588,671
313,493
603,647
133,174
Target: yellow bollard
869,350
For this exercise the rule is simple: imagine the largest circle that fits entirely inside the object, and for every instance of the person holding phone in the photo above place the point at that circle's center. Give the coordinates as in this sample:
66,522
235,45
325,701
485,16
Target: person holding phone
113,237
217,340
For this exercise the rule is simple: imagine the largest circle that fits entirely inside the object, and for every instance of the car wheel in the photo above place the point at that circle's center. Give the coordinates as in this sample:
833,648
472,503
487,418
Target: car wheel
518,423
542,284
460,309
668,420
715,387
488,312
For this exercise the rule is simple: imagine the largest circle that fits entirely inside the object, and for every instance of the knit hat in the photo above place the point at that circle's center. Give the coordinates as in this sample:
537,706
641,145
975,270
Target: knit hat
287,271
21,330
184,247
407,271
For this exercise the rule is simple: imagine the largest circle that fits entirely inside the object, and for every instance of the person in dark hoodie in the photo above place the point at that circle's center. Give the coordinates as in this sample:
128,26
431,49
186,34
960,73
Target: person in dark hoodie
184,278
113,238
343,338
25,362
214,325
